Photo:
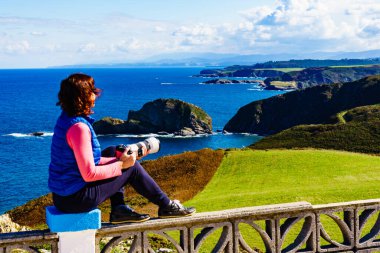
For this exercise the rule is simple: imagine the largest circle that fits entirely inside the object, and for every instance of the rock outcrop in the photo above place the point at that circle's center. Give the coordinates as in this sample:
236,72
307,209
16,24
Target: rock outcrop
160,116
315,105
325,75
231,81
304,78
243,72
8,226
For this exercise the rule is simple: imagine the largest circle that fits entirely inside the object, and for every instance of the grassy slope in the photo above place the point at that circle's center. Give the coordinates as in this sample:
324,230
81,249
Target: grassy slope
257,177
357,130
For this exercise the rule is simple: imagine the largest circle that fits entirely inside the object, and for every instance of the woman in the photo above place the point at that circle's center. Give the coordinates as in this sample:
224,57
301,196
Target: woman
80,178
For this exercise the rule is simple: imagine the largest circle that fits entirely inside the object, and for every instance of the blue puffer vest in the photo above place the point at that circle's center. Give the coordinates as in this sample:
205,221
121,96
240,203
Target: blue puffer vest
64,176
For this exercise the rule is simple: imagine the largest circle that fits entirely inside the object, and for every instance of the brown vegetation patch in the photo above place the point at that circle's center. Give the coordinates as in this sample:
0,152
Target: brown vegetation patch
32,213
180,176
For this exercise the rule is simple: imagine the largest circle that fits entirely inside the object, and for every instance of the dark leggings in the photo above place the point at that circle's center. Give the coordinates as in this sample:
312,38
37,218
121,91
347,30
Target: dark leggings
95,193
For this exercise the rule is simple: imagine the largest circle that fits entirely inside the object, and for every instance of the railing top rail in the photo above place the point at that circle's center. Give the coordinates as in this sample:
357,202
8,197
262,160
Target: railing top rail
216,216
27,236
343,205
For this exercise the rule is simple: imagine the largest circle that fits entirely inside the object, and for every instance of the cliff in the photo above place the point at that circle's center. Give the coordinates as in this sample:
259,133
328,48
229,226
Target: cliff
355,130
159,116
315,105
277,79
233,81
243,72
325,75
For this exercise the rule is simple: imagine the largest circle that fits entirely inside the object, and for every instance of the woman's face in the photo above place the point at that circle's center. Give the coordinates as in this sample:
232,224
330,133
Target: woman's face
92,99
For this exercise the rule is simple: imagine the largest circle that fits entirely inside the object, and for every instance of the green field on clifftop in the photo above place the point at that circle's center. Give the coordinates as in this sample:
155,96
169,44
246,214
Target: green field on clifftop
355,130
259,177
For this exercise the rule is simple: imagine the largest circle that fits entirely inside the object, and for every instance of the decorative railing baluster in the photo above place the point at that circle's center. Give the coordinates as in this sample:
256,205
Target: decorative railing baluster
181,246
346,226
224,243
370,238
266,234
305,237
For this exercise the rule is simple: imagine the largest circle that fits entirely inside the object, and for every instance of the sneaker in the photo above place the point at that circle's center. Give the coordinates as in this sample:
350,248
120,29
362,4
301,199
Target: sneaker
124,213
175,209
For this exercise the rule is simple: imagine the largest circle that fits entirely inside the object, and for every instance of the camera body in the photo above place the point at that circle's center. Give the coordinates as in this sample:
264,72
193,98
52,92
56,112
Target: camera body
151,144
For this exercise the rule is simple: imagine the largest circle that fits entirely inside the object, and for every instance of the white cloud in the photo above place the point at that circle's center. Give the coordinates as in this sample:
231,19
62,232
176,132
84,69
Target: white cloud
35,33
287,26
198,35
19,47
159,28
88,48
319,25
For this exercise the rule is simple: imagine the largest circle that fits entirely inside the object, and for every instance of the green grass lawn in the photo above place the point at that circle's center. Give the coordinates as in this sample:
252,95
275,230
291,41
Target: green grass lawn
259,177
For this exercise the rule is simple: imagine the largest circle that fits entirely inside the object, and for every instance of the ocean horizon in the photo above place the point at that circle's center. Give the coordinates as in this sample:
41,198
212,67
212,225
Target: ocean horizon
27,105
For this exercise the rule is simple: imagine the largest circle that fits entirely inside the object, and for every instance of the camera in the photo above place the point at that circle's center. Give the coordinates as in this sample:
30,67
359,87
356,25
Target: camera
151,144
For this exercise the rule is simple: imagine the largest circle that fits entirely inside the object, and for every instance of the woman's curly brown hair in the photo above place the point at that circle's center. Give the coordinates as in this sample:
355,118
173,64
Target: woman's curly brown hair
75,95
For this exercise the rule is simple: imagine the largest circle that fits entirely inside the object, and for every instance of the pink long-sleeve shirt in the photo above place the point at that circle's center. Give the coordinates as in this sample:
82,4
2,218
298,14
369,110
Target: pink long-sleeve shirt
79,139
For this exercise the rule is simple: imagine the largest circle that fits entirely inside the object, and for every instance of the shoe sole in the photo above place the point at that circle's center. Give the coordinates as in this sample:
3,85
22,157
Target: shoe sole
176,216
129,221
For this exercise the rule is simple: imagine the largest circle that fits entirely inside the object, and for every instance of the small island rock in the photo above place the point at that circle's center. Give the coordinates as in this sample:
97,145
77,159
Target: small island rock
162,115
37,134
233,81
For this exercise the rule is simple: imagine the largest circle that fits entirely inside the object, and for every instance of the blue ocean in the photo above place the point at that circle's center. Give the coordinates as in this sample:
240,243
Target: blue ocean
27,104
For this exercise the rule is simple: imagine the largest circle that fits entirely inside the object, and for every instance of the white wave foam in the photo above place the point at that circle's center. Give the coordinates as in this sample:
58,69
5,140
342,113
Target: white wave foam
23,135
157,135
250,134
191,136
167,83
18,135
137,135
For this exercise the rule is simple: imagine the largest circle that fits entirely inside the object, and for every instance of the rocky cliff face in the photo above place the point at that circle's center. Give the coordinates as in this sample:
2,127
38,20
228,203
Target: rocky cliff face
244,72
316,76
8,226
315,105
159,116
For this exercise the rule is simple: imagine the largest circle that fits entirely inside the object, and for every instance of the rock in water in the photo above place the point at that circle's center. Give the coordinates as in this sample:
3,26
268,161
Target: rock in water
108,125
161,115
37,134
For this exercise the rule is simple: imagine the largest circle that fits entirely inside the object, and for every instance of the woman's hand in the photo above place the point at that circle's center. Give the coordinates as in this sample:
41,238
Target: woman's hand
128,159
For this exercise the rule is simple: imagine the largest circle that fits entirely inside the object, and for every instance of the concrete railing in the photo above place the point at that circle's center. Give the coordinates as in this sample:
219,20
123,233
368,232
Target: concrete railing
294,227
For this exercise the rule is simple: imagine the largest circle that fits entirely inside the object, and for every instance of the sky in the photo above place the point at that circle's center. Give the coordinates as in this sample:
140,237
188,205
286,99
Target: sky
42,33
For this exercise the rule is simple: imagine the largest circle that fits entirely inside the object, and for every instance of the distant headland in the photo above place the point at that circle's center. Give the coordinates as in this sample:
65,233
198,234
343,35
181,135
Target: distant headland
296,74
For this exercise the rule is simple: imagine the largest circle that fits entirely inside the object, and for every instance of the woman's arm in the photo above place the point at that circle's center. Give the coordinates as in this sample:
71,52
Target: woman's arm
79,139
